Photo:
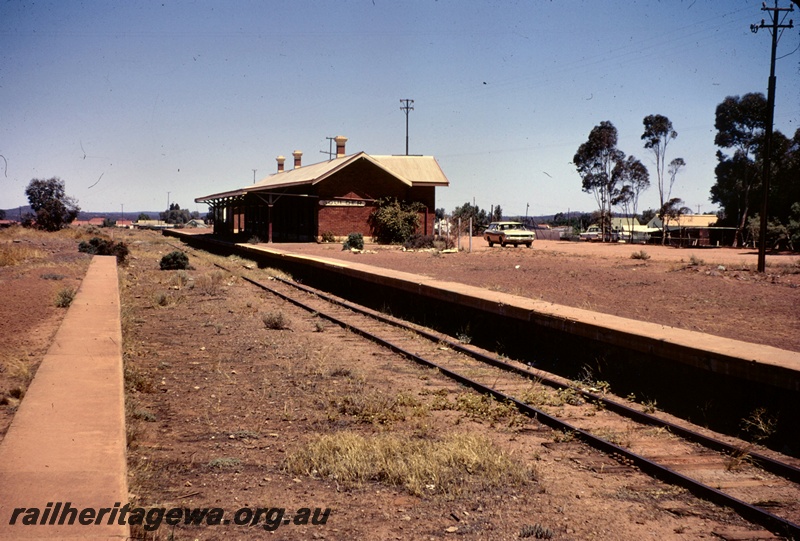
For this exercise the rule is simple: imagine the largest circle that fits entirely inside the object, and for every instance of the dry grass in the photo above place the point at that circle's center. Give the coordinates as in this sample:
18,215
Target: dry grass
275,320
15,254
65,296
481,407
378,408
454,466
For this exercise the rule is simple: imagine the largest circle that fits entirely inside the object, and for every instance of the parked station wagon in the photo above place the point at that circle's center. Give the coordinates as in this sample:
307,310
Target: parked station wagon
508,233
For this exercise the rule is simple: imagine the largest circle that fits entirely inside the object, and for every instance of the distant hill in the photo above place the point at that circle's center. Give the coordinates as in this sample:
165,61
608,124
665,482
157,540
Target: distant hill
16,212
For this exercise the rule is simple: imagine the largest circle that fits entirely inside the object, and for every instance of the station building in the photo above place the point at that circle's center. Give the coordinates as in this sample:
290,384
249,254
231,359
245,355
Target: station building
331,197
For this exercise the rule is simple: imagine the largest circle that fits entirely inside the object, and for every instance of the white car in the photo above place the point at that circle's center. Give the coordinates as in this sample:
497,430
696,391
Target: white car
509,233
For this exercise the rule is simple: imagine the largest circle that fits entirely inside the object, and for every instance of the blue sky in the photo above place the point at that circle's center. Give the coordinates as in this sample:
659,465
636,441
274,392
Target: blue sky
127,101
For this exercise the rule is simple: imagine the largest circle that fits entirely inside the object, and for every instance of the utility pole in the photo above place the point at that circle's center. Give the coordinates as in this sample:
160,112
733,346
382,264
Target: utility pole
406,108
254,175
168,200
330,151
773,27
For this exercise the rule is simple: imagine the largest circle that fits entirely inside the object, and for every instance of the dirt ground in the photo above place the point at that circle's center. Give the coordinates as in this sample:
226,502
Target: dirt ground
224,411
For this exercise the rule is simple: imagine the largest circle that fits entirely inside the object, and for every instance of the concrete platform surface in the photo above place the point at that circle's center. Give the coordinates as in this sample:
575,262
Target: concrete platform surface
67,442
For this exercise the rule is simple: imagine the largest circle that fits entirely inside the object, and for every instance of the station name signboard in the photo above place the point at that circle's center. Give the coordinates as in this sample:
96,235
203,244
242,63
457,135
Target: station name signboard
341,203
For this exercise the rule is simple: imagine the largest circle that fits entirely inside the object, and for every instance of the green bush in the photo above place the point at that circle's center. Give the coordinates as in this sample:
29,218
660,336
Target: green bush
394,222
355,241
176,260
101,246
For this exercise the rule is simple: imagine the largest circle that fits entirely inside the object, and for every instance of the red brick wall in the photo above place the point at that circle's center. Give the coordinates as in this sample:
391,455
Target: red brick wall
341,221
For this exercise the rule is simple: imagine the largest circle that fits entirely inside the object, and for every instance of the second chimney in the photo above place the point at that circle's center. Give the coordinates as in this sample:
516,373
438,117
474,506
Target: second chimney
280,160
298,158
340,141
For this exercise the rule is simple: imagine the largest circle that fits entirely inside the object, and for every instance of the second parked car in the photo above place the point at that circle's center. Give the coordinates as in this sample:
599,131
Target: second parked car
508,233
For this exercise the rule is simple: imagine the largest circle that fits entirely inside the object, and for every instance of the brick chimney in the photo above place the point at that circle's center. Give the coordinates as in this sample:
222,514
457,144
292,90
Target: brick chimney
340,141
298,158
280,160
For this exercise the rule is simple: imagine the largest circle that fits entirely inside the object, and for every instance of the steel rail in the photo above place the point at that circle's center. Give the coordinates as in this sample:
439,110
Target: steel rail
774,523
769,464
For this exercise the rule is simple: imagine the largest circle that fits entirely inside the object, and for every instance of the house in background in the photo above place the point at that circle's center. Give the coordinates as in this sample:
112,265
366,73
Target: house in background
334,197
694,230
628,229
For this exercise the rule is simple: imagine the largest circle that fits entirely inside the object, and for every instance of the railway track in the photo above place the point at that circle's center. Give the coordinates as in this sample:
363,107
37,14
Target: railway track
763,489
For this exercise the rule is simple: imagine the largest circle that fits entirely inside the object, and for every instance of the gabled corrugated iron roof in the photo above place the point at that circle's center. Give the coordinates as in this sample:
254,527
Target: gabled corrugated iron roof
411,170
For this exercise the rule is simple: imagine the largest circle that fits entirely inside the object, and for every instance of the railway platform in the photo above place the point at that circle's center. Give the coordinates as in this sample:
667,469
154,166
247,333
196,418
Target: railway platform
768,366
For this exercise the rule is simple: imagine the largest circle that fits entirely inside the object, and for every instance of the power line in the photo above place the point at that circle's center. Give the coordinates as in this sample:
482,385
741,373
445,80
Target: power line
407,107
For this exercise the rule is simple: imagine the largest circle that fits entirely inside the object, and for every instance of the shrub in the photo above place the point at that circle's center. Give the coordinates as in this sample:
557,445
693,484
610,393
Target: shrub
641,254
65,297
419,242
394,222
275,320
355,241
254,240
101,246
176,260
328,236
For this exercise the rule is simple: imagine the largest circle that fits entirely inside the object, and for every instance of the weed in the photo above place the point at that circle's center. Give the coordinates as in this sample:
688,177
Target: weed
180,279
275,320
537,531
277,273
641,254
454,465
254,240
569,396
52,276
224,463
378,408
64,297
737,458
209,284
563,436
136,381
695,261
145,415
328,236
341,372
479,406
649,406
760,425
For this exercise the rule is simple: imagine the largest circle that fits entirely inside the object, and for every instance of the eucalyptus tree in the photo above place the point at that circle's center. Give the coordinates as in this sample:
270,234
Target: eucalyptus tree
595,161
658,133
741,124
633,178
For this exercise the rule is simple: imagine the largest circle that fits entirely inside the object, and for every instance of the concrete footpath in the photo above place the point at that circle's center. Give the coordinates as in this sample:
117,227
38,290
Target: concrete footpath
66,447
